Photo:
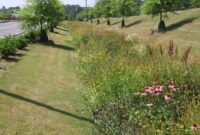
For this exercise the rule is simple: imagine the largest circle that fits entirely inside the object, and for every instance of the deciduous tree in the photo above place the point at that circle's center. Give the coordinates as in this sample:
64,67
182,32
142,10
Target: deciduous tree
195,3
105,8
122,8
40,12
97,14
160,7
55,13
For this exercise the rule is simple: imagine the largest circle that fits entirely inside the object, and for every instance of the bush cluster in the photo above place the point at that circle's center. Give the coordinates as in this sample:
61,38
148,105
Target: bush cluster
136,89
32,35
9,44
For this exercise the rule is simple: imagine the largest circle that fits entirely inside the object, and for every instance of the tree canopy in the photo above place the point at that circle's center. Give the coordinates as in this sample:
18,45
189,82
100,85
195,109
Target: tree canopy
9,13
42,11
110,8
195,3
122,8
71,11
158,7
105,7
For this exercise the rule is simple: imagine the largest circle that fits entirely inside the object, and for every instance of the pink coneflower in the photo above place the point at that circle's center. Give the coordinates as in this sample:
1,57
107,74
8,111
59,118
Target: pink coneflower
168,97
159,88
190,62
148,89
156,94
173,87
149,105
194,127
143,94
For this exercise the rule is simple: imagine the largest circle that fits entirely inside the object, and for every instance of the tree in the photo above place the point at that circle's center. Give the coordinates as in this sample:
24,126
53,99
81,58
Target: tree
91,14
105,7
185,4
29,18
160,7
41,12
3,9
123,8
71,11
97,14
8,13
195,3
57,15
82,16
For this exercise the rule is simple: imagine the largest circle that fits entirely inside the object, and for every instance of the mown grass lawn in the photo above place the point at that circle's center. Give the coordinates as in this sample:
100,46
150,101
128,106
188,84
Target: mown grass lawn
40,93
183,29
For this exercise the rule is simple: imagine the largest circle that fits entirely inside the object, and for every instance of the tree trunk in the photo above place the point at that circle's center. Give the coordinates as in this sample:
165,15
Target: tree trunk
43,36
43,33
52,28
161,26
108,21
185,4
41,24
123,23
98,22
161,16
91,21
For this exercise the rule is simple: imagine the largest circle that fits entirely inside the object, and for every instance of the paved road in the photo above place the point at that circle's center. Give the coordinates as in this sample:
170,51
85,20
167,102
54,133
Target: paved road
10,28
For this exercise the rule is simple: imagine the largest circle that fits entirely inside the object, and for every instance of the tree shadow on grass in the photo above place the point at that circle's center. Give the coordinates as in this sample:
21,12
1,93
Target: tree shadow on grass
51,108
14,57
101,22
180,23
53,45
55,32
25,49
63,29
19,54
133,23
116,23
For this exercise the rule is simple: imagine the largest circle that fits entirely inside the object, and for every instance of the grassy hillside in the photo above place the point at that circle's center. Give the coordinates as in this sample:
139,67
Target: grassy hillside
40,93
183,28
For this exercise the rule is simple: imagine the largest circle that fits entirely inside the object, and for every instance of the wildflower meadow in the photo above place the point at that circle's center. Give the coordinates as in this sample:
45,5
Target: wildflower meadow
135,88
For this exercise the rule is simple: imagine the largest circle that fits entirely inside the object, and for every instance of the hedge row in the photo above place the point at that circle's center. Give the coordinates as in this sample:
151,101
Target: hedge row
10,44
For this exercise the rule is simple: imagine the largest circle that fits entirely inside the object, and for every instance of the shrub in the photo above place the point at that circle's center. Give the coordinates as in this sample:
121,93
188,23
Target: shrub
132,88
32,35
19,41
10,44
7,46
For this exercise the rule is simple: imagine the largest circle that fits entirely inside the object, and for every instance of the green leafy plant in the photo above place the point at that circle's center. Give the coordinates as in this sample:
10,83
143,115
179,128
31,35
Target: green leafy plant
10,44
7,46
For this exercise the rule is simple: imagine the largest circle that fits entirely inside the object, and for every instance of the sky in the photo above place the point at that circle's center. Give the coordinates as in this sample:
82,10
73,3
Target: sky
11,3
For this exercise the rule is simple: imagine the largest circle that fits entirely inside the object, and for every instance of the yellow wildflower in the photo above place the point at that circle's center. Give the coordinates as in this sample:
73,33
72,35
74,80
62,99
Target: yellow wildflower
158,130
